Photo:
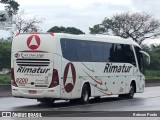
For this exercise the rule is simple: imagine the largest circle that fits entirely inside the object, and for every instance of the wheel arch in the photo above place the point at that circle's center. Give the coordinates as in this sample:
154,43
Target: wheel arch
133,82
89,86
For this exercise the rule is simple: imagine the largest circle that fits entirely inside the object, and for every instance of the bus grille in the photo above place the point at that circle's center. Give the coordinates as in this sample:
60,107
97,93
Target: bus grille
33,62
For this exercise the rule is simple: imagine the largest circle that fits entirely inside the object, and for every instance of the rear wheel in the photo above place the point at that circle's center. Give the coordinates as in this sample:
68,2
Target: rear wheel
85,94
47,101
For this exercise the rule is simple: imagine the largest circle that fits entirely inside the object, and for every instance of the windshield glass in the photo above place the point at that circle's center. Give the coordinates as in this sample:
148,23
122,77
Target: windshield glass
140,59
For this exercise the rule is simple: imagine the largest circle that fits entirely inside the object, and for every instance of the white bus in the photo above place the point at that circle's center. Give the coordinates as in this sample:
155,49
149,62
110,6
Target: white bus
54,66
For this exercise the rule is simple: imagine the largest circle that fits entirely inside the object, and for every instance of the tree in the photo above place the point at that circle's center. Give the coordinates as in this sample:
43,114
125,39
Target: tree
5,53
2,18
137,26
155,61
71,30
23,25
11,7
155,47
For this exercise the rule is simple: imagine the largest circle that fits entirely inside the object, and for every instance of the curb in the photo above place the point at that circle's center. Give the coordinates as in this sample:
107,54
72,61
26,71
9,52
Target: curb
152,82
5,91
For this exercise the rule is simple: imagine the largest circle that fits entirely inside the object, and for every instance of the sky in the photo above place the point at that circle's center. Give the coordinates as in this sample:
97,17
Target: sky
82,14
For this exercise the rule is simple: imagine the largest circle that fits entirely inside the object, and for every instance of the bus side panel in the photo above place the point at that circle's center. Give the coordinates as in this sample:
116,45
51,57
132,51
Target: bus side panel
83,76
57,66
67,83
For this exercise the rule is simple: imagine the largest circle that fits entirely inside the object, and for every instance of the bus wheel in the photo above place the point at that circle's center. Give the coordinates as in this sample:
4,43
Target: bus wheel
47,101
131,92
85,95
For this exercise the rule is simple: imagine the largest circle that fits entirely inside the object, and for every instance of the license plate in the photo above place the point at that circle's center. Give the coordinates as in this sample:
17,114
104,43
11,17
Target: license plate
32,91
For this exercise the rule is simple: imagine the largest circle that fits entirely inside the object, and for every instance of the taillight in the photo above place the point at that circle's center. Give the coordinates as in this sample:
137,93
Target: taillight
55,79
13,82
52,33
17,34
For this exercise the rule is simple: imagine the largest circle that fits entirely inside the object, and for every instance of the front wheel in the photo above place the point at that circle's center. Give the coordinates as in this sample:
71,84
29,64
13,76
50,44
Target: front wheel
130,94
85,95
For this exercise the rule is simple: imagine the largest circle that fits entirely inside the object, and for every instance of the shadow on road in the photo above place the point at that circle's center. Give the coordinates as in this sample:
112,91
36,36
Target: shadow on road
67,103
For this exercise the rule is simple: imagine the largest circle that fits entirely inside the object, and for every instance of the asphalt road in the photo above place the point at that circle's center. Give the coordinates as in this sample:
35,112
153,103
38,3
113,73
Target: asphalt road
106,106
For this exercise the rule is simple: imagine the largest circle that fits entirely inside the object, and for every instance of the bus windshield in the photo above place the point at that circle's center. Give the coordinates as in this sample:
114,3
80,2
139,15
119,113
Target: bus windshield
143,58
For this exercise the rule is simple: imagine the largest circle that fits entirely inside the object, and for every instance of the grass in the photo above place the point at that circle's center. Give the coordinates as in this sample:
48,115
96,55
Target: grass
5,79
152,74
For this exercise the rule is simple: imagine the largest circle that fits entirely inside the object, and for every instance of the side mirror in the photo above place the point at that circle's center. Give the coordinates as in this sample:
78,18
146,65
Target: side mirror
147,57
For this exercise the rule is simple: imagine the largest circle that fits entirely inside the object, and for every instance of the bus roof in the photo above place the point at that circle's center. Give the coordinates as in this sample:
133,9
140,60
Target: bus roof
92,37
102,38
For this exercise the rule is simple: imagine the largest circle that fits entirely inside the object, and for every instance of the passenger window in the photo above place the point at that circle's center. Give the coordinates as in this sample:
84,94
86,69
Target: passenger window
69,49
96,51
83,51
91,51
107,52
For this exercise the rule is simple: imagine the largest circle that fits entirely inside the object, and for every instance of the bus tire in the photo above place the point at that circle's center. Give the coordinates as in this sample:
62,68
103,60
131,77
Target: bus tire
47,101
131,92
85,94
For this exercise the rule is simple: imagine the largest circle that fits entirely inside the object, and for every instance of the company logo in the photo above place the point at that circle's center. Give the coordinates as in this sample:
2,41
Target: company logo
69,86
6,114
33,42
32,70
17,55
109,68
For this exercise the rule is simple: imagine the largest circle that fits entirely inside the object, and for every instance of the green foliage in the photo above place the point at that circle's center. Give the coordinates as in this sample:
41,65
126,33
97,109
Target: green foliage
137,26
2,18
5,79
155,60
155,47
5,53
11,7
70,30
97,29
152,74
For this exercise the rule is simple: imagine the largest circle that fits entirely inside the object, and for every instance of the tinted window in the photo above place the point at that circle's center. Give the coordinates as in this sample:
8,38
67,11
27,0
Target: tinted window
69,49
107,51
90,51
139,59
122,53
128,54
83,51
96,51
117,54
